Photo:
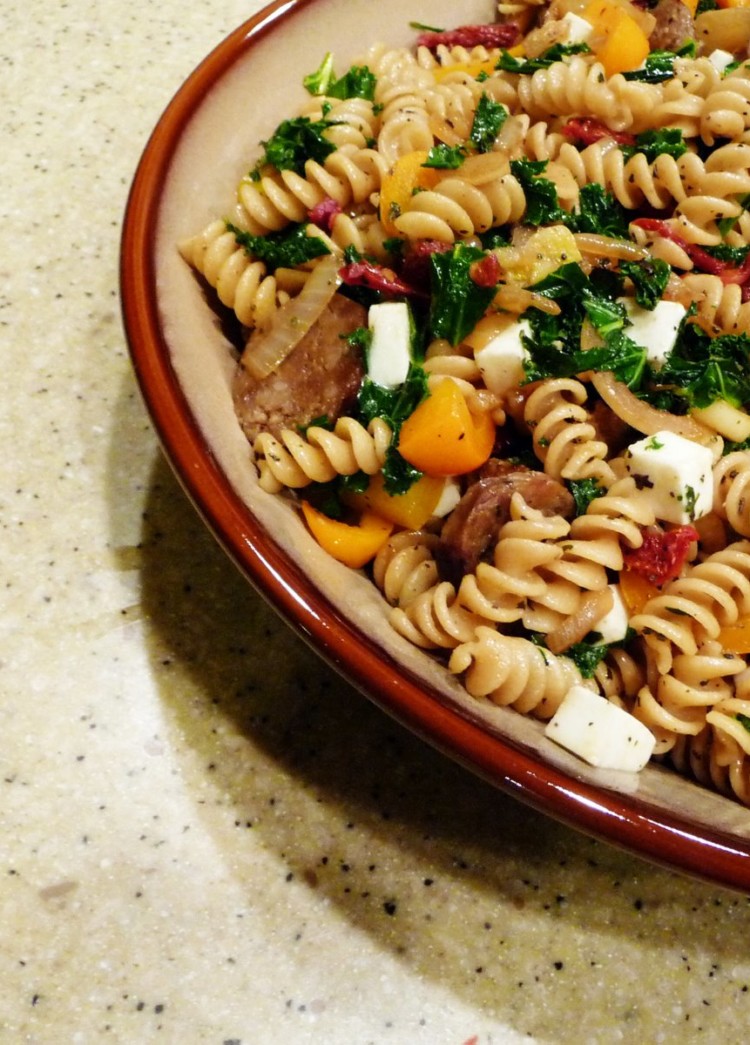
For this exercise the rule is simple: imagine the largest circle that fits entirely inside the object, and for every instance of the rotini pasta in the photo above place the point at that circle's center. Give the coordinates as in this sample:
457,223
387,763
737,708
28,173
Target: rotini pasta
529,269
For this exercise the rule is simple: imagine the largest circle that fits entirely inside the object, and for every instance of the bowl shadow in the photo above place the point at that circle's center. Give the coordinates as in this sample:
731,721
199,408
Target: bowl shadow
465,885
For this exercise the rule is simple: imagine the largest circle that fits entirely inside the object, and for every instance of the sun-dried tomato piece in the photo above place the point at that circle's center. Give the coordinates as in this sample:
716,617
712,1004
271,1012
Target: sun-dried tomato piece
495,34
375,277
587,130
663,553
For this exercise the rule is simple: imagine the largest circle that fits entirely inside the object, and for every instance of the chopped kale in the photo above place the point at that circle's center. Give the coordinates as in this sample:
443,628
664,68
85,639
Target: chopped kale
557,53
659,65
587,656
542,205
394,406
458,303
670,140
288,248
732,255
744,720
445,157
357,82
585,491
598,211
554,345
294,142
702,369
489,117
649,278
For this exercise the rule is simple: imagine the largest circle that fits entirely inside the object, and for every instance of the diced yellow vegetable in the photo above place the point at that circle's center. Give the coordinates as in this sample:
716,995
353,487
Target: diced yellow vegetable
725,419
618,41
353,545
543,253
411,510
409,175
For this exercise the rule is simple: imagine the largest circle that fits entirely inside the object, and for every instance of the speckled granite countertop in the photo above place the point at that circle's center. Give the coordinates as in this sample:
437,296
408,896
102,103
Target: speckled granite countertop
205,836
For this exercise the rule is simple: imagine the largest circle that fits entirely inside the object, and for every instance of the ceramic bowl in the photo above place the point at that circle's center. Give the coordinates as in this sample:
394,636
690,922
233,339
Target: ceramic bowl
206,138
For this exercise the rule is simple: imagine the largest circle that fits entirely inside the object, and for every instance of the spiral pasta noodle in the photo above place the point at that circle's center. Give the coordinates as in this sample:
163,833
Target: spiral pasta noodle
295,461
513,672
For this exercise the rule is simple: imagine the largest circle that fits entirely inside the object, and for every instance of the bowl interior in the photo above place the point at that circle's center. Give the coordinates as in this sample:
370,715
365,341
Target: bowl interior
207,138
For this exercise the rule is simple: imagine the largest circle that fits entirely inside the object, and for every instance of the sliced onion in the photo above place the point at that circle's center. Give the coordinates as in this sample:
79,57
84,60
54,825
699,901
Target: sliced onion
606,247
593,606
267,350
644,417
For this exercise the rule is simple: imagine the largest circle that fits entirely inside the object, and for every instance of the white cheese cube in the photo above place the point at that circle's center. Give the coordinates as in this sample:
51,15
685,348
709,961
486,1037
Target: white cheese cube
578,29
389,354
602,734
720,59
613,626
501,359
654,329
676,475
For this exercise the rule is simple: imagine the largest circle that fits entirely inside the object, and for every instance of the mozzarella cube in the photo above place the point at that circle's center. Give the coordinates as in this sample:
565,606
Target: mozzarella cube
654,329
720,59
613,626
389,355
602,734
501,359
676,475
578,29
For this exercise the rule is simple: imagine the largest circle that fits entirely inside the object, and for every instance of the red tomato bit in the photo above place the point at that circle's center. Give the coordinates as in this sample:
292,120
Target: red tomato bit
587,130
663,553
375,277
497,34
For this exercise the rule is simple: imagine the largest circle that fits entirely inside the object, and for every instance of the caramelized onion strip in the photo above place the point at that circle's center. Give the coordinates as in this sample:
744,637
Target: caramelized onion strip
593,606
644,417
267,350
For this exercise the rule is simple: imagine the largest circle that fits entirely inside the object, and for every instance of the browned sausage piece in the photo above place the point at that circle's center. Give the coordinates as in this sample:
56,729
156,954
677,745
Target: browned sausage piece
674,26
319,378
472,527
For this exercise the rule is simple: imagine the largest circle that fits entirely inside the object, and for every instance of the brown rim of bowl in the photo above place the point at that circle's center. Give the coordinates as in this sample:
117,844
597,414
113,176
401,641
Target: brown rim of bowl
620,820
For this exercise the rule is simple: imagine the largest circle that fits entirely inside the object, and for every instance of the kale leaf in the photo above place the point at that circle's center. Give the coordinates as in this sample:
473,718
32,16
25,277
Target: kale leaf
489,117
457,302
445,157
598,211
542,205
294,142
702,368
659,65
557,53
394,405
655,143
288,248
357,82
649,278
585,491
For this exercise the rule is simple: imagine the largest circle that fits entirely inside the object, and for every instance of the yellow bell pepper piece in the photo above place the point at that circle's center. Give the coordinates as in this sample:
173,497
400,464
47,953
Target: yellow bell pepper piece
409,510
353,545
443,437
618,41
735,638
409,175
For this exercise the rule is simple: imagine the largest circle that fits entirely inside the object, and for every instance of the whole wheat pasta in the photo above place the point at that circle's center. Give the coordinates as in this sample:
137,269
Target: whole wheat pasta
540,254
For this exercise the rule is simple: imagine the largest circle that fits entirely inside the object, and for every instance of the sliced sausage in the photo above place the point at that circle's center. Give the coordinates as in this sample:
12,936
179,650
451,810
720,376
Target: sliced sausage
674,26
472,527
319,378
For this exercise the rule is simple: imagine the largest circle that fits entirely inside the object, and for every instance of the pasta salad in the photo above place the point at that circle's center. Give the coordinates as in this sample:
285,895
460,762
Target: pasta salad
491,300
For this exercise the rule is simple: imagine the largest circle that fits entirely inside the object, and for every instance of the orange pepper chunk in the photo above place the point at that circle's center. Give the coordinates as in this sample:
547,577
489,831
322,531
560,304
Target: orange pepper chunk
353,545
636,590
409,175
735,638
410,510
472,69
618,41
443,437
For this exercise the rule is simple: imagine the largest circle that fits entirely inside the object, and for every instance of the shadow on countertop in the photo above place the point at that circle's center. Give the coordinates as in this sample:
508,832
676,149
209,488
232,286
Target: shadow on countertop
462,883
